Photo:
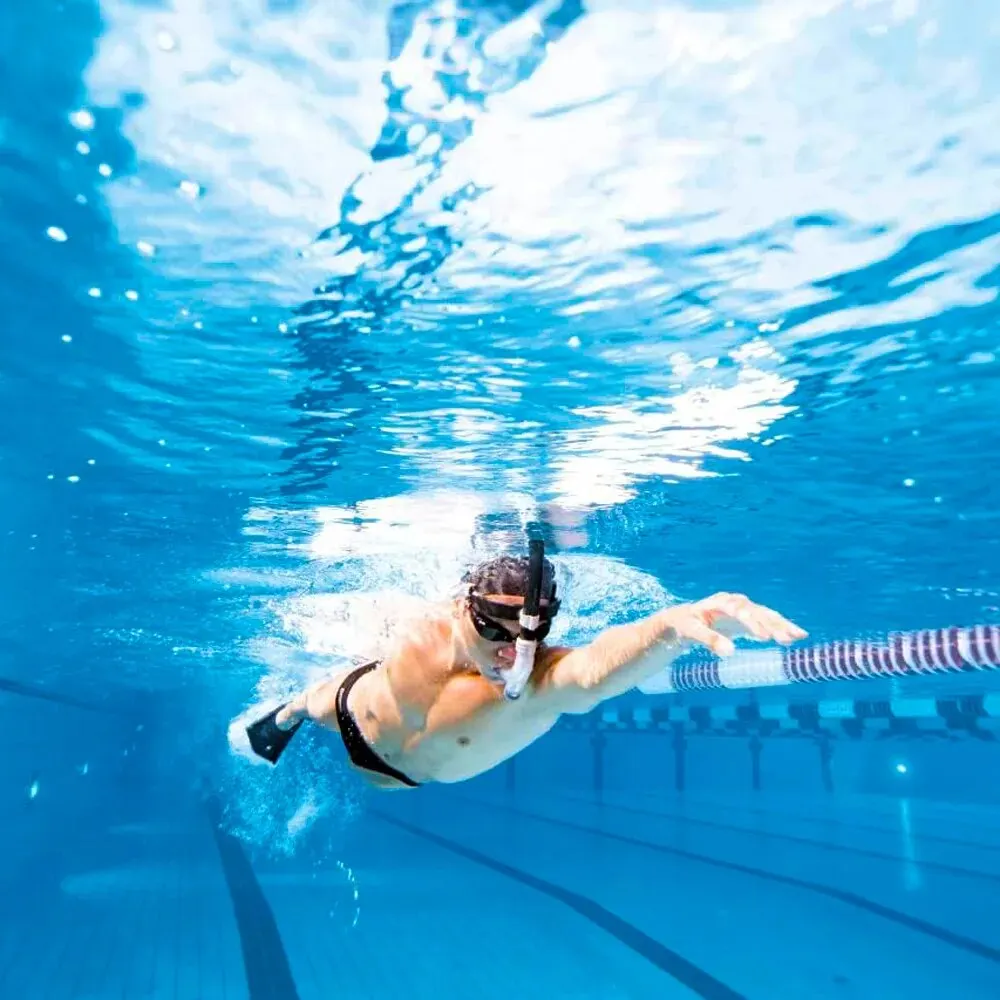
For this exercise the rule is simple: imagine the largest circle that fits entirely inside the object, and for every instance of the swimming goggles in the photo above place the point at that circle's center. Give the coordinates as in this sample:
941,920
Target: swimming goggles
479,607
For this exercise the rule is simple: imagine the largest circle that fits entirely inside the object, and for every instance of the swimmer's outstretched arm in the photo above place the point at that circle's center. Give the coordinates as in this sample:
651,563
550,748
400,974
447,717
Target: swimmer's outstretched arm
625,655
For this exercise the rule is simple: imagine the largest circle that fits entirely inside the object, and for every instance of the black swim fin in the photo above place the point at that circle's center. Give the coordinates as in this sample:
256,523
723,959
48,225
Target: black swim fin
267,740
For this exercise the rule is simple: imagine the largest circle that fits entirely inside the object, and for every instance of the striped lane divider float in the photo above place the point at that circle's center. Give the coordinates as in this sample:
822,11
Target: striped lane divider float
900,654
974,716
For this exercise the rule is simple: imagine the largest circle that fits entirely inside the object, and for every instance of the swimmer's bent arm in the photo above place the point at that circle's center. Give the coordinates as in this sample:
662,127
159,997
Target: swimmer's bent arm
315,703
625,655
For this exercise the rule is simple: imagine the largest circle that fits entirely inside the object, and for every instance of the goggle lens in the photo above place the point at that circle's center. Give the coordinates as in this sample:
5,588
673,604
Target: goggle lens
492,632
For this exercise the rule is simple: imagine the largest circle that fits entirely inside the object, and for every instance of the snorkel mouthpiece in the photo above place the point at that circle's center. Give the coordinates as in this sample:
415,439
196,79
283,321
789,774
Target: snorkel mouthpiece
526,644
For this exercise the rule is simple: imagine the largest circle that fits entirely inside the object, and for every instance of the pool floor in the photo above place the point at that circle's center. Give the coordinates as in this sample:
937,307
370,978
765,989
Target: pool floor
555,895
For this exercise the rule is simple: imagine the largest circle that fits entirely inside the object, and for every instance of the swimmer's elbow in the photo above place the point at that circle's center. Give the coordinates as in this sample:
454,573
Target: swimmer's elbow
578,681
612,664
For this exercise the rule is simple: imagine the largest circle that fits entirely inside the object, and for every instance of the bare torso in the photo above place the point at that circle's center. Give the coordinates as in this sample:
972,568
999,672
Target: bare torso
436,718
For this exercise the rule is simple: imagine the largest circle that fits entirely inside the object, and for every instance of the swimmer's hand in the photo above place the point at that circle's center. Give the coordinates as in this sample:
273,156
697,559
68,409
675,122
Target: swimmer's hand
626,655
290,714
716,620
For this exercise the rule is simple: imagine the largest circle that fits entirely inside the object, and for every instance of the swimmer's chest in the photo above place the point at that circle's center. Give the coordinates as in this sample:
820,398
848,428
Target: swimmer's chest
471,728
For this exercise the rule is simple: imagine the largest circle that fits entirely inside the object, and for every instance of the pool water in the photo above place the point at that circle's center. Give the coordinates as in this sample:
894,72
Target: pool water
307,305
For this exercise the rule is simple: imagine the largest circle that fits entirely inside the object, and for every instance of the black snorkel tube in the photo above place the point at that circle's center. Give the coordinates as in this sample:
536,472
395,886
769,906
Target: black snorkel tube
526,644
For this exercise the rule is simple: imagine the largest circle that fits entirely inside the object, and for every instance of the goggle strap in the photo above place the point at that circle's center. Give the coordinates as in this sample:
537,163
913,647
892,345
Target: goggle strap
509,612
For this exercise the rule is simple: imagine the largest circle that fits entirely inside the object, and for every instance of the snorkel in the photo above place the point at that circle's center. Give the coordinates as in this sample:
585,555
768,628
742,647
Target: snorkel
529,619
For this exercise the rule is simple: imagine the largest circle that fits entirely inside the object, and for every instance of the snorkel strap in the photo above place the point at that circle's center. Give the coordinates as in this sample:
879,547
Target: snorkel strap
526,644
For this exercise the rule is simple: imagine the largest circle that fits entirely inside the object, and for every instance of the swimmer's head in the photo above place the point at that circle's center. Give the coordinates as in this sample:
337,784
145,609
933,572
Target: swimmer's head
507,576
495,592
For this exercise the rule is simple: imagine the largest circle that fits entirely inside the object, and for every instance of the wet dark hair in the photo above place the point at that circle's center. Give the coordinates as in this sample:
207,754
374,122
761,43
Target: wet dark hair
508,575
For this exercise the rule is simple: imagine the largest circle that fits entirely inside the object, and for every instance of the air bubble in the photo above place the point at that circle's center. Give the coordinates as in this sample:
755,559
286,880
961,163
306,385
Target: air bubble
82,119
165,42
132,295
191,189
94,293
67,339
104,170
145,248
72,479
82,148
57,234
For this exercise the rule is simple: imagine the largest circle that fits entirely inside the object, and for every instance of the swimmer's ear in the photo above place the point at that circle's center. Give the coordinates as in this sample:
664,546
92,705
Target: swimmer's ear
268,740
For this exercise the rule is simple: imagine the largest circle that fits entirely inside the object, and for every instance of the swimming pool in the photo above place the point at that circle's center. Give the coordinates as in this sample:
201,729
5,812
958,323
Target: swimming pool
307,304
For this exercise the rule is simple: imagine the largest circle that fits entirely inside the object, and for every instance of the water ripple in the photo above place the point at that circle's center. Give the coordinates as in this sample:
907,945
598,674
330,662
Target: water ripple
624,264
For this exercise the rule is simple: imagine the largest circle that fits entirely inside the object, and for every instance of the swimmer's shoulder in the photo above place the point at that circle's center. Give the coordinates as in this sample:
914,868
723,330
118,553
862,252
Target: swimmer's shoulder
420,651
545,675
547,658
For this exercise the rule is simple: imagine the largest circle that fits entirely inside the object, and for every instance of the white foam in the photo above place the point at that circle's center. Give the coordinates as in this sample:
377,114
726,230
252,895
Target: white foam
388,567
306,814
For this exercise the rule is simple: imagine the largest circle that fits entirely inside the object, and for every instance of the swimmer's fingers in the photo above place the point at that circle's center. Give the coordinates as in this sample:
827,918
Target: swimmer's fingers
759,621
769,624
695,629
286,718
779,627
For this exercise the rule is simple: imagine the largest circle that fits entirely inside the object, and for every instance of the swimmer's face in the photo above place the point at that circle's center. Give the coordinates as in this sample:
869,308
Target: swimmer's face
495,637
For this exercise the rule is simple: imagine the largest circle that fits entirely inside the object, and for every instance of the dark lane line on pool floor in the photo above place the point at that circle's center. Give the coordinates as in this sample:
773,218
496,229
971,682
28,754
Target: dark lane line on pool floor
687,973
865,852
268,971
783,815
968,944
23,690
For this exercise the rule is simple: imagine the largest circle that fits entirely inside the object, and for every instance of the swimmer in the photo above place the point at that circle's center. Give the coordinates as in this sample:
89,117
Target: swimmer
473,683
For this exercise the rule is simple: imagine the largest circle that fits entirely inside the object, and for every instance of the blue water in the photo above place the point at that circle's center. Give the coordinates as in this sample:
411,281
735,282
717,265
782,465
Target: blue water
302,300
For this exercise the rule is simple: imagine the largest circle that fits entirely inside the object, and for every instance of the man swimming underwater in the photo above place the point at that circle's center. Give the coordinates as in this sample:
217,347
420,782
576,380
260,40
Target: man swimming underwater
472,684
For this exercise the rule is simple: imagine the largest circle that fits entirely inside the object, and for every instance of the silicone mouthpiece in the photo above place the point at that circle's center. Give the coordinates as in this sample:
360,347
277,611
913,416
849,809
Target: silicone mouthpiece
516,679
